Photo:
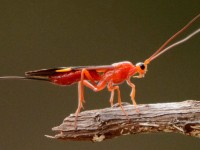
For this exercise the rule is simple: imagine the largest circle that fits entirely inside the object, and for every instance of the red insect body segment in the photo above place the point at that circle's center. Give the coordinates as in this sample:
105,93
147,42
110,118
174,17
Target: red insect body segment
122,71
71,77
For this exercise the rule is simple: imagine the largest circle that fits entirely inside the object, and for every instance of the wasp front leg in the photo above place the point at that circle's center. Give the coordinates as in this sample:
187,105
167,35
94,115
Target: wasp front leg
132,94
139,76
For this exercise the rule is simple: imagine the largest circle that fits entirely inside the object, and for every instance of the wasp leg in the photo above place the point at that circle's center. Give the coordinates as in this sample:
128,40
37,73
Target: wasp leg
80,104
112,88
112,93
133,94
84,72
81,83
139,76
95,87
111,96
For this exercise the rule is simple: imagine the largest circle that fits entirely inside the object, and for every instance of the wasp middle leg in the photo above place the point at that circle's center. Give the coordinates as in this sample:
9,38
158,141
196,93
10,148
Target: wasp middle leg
112,88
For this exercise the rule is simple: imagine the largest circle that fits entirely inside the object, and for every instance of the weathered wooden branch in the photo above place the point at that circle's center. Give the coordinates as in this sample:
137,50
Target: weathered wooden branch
98,125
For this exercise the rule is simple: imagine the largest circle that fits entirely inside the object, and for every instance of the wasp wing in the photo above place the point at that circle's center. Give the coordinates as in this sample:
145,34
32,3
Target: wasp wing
45,73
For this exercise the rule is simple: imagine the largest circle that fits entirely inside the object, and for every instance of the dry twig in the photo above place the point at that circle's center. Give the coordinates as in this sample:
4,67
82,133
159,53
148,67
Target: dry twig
98,125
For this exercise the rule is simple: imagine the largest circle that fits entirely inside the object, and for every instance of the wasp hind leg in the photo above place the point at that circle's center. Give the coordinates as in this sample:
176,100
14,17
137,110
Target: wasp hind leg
81,83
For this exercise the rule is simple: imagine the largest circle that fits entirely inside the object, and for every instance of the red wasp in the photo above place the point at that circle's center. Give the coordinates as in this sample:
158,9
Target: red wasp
99,77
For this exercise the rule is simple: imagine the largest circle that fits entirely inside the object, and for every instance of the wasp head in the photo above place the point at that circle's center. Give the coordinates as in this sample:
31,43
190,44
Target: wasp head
141,69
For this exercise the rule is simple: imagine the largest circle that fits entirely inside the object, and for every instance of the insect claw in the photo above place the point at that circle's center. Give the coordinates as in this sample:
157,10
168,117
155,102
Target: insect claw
124,112
111,103
75,121
82,107
137,110
75,125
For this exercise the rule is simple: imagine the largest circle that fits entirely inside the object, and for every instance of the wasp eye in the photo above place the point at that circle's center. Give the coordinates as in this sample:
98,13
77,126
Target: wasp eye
141,65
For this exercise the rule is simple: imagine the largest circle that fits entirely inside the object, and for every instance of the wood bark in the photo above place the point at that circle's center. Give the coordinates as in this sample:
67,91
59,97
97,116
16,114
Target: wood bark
98,125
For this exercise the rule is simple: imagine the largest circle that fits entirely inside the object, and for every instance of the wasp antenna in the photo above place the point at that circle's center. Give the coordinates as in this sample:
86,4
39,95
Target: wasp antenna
177,43
163,47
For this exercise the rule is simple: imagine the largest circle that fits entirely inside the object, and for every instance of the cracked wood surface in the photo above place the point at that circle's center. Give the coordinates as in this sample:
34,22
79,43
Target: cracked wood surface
98,125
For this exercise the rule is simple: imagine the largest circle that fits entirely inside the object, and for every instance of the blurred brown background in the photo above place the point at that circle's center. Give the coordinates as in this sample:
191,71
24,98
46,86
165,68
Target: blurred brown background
45,34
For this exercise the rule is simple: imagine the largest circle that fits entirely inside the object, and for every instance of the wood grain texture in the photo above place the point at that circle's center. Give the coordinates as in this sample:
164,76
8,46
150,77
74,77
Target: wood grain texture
98,125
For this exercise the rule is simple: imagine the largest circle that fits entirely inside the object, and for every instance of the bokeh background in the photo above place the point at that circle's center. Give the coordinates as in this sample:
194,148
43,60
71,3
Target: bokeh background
51,33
